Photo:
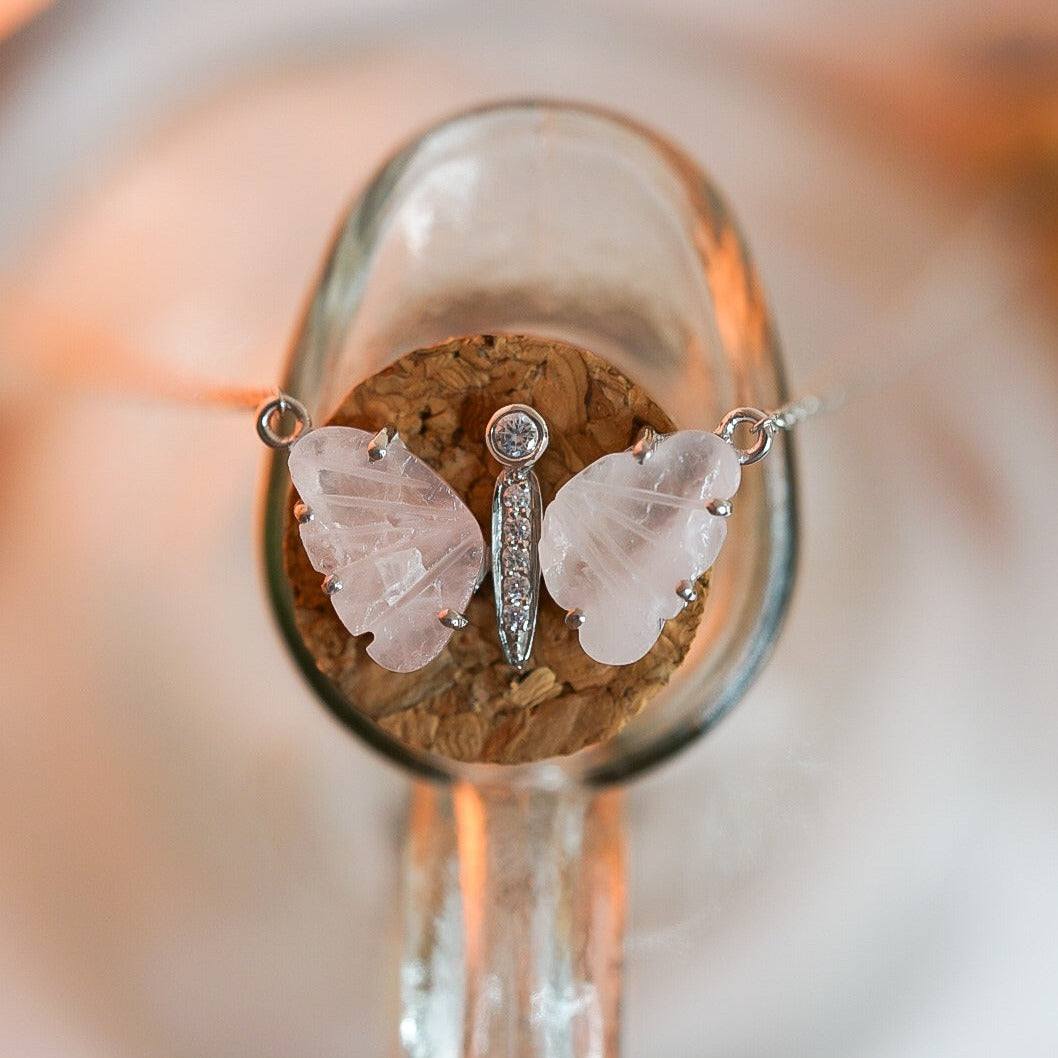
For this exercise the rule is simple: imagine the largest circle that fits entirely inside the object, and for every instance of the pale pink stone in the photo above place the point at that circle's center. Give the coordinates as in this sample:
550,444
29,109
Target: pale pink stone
402,544
620,535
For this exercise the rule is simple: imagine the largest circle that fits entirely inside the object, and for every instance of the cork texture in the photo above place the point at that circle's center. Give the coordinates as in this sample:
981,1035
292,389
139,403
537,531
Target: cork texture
468,704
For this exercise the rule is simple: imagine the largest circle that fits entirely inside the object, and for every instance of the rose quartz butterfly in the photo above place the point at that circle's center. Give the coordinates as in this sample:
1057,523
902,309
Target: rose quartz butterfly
619,547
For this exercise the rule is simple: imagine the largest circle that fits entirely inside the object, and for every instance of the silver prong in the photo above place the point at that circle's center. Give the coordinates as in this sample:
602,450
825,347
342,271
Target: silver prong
377,446
686,591
575,619
645,444
303,513
721,508
331,584
453,618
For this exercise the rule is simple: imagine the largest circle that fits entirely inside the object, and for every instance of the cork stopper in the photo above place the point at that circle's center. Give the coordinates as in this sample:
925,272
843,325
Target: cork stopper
469,704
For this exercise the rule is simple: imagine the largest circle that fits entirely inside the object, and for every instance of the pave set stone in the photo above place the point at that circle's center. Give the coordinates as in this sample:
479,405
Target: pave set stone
517,497
517,529
515,561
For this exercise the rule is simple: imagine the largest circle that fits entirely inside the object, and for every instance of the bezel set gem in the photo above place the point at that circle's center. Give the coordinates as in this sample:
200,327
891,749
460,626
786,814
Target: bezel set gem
516,435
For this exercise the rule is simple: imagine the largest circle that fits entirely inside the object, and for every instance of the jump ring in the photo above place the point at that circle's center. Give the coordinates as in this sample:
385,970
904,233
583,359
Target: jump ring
269,414
761,423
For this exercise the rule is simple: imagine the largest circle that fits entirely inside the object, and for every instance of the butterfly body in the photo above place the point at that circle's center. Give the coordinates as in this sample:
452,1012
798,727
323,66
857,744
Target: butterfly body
516,515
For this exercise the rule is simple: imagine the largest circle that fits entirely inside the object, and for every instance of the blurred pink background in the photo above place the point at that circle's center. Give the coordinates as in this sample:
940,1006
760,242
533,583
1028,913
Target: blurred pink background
195,860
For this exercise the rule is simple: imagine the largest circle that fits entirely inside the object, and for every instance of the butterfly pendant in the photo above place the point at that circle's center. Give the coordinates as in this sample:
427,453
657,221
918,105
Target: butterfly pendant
619,547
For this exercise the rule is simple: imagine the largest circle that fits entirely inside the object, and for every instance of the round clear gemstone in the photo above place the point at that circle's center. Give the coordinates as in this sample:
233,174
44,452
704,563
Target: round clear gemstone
515,435
515,615
516,529
515,559
517,496
515,587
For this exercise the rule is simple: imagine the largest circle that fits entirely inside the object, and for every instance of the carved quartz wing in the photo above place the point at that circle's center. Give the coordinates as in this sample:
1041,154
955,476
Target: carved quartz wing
622,534
396,544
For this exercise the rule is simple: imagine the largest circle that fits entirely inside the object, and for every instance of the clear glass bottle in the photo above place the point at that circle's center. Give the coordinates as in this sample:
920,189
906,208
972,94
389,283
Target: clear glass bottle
567,223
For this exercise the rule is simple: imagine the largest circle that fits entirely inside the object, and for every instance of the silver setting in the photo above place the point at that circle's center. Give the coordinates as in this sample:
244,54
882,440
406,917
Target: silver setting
762,424
379,444
686,591
574,619
303,513
453,618
270,415
517,511
720,508
516,435
645,444
331,584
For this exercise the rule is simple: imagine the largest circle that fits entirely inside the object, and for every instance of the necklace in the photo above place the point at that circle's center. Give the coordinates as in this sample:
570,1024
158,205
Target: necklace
769,422
393,539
